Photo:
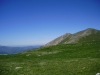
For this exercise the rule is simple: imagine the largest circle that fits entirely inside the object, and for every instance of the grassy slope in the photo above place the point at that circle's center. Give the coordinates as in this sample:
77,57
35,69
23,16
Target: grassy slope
72,59
95,36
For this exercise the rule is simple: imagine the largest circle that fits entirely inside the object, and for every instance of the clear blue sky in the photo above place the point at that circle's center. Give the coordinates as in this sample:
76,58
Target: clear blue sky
33,22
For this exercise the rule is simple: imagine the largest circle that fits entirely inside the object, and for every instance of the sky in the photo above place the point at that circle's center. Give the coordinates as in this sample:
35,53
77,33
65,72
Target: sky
37,22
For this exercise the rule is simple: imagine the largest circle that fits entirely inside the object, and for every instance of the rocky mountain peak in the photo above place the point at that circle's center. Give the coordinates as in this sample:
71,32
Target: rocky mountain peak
73,38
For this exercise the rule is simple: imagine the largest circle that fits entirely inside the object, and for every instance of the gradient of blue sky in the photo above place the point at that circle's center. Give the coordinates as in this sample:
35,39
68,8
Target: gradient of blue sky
33,22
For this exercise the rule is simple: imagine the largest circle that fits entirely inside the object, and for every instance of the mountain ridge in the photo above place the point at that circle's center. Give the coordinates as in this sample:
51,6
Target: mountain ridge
13,50
69,38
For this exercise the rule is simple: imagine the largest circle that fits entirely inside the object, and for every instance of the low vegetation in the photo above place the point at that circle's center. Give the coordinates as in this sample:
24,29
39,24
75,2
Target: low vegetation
66,59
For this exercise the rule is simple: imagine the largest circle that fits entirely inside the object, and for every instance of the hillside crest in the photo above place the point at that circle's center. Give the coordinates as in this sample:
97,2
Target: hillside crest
80,36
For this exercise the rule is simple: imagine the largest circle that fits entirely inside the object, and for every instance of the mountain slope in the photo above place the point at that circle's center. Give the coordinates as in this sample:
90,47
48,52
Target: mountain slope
58,40
82,58
64,59
89,34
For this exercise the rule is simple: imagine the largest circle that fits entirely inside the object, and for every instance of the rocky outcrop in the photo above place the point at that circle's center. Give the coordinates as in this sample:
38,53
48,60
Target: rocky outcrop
58,40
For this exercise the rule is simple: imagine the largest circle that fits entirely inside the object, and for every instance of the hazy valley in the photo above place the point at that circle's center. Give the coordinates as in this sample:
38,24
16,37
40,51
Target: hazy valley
13,50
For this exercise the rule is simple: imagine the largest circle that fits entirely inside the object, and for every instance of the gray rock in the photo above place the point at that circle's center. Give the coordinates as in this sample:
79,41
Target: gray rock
98,74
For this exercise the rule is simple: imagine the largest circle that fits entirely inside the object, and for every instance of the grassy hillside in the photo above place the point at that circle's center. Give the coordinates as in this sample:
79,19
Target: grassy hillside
95,36
67,59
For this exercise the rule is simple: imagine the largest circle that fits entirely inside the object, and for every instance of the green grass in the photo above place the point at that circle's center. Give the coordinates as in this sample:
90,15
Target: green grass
67,59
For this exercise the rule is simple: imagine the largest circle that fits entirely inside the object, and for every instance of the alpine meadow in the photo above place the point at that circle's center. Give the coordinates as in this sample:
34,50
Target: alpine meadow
49,37
81,57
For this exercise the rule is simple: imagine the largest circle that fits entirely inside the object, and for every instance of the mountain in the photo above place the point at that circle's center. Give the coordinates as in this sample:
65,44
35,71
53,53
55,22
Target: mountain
71,54
89,34
13,50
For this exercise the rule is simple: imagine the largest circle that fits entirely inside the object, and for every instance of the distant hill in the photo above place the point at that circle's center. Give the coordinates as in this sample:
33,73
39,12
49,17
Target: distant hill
89,34
13,50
